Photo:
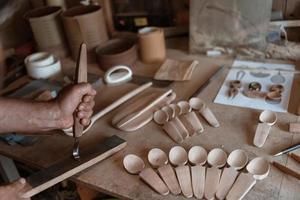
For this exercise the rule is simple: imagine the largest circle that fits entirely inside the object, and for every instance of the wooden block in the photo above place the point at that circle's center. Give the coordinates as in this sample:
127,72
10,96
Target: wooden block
294,127
261,134
241,187
154,181
46,178
198,181
227,179
184,179
167,173
212,178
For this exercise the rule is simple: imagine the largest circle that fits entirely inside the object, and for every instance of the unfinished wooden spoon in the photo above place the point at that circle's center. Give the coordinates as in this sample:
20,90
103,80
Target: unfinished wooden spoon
267,119
176,109
169,111
237,159
160,117
158,158
197,156
217,159
135,165
184,107
198,104
179,157
258,169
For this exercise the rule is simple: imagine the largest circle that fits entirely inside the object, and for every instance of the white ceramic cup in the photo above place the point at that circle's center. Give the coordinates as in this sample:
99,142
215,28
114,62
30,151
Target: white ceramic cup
39,59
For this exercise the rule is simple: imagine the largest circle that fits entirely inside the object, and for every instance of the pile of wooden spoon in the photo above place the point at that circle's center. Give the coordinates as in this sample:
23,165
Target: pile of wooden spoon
198,173
180,120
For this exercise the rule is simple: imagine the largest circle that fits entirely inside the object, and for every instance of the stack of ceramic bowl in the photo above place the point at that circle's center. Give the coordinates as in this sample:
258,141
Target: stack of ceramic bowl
42,65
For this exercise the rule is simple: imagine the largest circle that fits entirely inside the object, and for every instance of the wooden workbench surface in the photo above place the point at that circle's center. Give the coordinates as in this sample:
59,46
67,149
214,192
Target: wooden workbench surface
236,131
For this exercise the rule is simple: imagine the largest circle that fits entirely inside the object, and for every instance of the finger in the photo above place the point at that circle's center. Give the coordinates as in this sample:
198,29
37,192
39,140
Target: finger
83,114
18,185
85,121
86,106
87,89
88,98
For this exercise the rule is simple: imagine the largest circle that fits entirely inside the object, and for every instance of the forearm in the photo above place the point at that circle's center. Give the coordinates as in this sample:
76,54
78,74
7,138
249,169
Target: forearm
28,116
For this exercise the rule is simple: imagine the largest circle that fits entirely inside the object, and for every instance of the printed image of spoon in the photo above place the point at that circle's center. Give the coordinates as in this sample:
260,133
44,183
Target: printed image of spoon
278,78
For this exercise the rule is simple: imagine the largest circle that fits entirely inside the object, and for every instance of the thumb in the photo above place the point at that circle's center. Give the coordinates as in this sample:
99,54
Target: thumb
19,184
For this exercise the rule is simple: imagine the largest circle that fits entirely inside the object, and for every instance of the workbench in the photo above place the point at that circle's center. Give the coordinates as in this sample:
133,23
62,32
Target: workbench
237,131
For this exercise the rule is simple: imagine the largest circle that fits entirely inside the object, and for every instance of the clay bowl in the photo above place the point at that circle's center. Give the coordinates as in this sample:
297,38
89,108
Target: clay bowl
217,158
197,155
184,107
196,103
259,167
157,157
169,111
133,164
178,156
176,109
268,117
160,117
237,159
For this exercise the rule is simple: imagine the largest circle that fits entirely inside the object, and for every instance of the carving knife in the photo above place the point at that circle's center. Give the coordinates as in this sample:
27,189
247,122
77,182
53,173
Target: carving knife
80,77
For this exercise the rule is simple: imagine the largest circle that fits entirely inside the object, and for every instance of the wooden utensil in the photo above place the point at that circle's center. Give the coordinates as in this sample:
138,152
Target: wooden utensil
267,119
288,170
134,115
175,108
258,169
182,129
236,160
189,118
294,128
199,105
197,156
134,164
179,157
217,159
161,118
111,107
158,159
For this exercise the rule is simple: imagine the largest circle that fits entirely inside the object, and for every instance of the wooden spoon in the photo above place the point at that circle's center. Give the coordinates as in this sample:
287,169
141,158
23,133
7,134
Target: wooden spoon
217,159
198,104
161,118
197,156
176,109
158,159
267,119
179,157
258,169
237,160
134,165
189,118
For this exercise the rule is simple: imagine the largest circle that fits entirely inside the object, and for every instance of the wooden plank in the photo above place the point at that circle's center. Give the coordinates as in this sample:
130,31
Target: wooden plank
44,179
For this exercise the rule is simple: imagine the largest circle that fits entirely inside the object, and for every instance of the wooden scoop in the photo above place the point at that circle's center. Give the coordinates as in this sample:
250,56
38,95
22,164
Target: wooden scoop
237,159
217,159
161,118
175,108
158,159
169,111
267,119
258,169
197,156
179,157
134,165
198,104
189,118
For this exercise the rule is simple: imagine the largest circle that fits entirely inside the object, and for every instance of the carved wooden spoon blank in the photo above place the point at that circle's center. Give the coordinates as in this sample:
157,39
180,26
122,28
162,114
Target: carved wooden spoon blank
237,159
217,159
198,104
197,156
267,119
134,164
159,159
179,157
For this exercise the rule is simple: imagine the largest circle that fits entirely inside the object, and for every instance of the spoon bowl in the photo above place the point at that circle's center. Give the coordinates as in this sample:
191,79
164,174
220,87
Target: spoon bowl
268,117
237,159
259,167
157,157
197,155
217,158
178,156
133,164
184,107
170,112
160,117
196,103
176,109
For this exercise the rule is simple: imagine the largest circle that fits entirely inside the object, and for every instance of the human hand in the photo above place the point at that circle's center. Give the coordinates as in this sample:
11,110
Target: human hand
13,191
77,98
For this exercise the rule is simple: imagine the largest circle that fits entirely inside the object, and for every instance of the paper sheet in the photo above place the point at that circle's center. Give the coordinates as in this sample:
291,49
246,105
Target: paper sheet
265,79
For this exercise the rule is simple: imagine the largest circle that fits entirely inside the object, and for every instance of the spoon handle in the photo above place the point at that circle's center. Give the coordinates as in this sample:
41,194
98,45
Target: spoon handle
168,175
212,178
261,134
227,179
209,116
184,179
154,181
198,180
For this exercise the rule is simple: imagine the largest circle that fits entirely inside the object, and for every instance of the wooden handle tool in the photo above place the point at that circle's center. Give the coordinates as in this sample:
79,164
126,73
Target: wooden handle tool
80,77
